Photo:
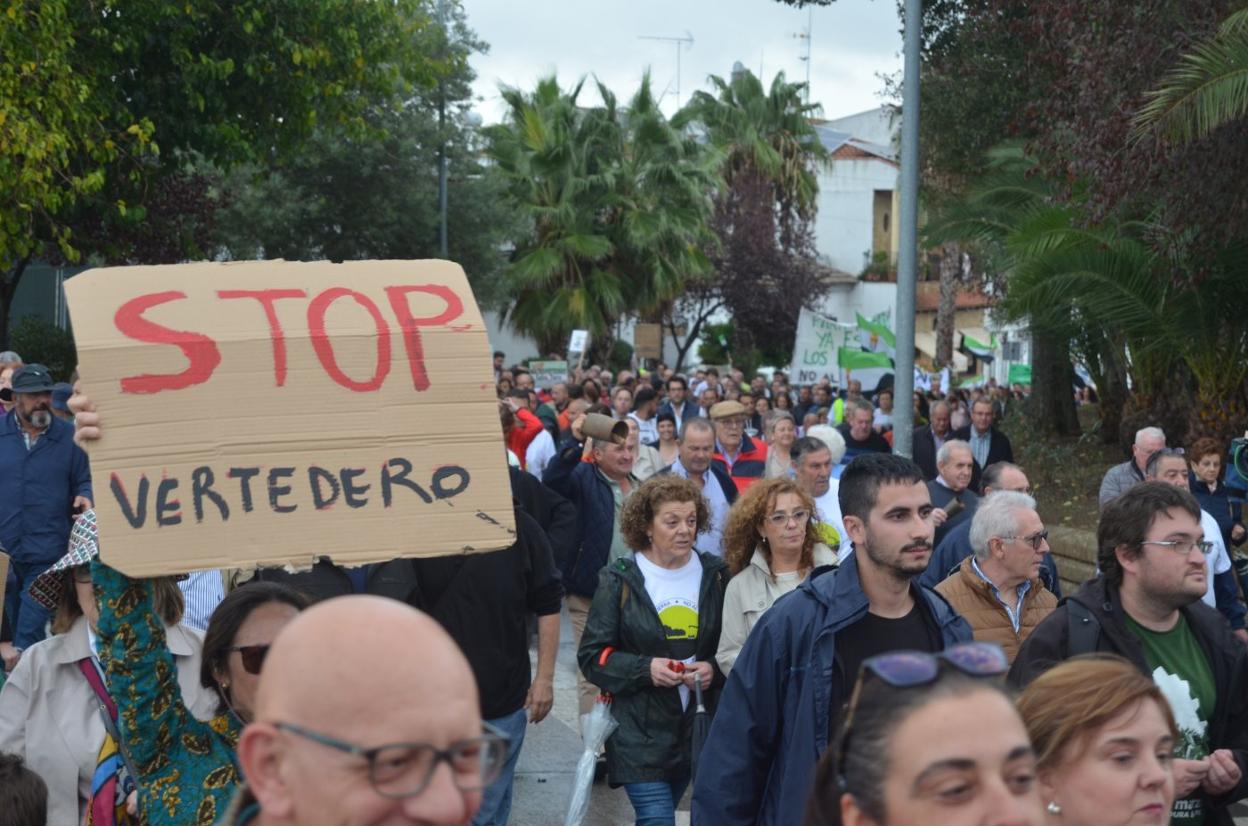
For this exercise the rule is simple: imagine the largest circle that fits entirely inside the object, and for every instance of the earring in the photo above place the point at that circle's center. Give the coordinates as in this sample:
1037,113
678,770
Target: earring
1053,808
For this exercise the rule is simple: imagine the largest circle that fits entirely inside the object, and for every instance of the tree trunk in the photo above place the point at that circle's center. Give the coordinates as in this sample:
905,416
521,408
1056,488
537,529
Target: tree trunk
1052,384
8,291
1112,393
946,311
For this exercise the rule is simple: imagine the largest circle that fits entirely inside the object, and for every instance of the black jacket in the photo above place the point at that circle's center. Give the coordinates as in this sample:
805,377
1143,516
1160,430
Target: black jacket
942,497
394,579
655,733
925,451
483,600
555,514
1049,644
999,450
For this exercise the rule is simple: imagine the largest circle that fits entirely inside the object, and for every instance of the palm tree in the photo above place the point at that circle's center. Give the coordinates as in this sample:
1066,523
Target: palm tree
618,202
1206,89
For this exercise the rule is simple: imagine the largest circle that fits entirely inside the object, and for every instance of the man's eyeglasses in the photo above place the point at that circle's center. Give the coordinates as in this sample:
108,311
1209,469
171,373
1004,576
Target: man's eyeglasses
1035,540
780,518
400,770
912,669
1181,546
252,655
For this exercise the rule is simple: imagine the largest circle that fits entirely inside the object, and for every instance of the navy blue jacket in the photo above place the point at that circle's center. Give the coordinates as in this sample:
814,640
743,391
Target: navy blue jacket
37,490
773,718
581,483
1218,504
956,546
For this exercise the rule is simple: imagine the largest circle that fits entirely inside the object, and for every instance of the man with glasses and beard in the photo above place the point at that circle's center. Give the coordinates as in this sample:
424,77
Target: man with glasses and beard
1146,605
779,708
44,480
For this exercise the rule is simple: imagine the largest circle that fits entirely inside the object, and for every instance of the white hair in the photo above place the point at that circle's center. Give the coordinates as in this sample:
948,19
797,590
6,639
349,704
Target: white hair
1150,433
947,449
831,437
996,518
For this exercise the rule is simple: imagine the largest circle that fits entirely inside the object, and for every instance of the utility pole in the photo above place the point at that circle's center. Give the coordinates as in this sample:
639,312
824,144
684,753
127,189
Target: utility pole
907,258
681,42
443,249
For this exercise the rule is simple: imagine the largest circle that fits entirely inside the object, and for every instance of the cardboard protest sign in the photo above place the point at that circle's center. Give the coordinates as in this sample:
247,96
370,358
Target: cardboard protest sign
648,341
546,374
273,412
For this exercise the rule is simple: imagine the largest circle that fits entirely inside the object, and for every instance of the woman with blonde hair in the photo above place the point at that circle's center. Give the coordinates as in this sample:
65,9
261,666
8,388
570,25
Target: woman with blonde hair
781,432
771,544
1104,738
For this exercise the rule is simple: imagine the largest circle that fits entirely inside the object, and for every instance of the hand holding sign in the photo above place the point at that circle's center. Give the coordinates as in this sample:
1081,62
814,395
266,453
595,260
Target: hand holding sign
263,412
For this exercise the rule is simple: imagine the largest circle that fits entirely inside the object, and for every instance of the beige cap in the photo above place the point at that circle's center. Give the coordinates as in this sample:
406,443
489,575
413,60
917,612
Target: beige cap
724,410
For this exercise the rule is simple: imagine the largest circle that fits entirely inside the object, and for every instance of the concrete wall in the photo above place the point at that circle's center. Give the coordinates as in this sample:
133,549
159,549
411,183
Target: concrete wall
873,125
846,208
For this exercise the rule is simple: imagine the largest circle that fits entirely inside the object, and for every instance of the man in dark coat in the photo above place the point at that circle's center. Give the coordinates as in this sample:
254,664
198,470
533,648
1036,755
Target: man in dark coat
929,438
988,444
951,494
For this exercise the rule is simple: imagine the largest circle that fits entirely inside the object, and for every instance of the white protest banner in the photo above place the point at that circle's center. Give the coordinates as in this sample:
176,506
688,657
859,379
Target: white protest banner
273,412
576,344
816,348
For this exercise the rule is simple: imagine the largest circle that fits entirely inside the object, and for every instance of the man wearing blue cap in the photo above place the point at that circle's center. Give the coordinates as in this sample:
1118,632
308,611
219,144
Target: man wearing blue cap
44,480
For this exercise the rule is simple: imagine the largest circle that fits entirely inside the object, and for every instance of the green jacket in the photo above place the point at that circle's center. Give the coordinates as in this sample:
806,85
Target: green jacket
653,742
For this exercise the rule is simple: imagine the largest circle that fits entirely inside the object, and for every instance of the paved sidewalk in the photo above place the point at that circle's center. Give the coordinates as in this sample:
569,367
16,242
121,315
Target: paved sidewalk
548,760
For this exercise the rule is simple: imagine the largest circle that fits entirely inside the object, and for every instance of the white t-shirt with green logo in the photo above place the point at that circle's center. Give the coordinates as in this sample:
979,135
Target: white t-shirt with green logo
674,593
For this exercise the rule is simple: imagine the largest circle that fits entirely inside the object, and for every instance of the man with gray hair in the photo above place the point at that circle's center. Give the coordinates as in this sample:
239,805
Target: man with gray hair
858,430
693,462
1121,478
951,489
812,470
956,546
998,589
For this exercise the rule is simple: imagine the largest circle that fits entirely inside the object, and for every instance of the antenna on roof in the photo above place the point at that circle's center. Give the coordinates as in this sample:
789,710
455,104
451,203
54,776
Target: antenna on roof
806,35
684,42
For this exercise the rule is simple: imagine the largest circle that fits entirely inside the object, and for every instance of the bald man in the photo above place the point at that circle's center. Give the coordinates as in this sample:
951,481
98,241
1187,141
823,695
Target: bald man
343,683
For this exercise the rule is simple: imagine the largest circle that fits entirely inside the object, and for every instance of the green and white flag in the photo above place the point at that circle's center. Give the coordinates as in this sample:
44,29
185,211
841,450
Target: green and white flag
850,359
876,335
978,348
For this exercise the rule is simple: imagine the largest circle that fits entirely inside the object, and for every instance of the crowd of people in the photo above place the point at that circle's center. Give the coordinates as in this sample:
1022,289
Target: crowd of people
873,639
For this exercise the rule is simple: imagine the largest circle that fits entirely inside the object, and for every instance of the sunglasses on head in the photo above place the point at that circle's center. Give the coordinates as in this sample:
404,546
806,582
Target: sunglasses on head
253,656
913,669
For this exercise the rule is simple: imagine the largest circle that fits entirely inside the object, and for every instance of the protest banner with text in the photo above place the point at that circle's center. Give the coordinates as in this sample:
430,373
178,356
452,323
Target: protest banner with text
274,412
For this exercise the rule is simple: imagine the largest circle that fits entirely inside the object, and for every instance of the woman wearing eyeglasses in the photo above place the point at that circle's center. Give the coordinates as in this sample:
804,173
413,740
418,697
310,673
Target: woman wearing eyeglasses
929,739
657,617
771,544
59,713
1105,739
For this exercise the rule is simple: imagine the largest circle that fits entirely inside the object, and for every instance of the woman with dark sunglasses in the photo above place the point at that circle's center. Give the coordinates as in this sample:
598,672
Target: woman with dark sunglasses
929,739
238,638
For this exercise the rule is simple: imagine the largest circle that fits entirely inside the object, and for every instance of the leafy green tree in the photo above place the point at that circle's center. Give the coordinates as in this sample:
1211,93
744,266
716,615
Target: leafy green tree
616,201
348,195
765,267
99,101
1205,90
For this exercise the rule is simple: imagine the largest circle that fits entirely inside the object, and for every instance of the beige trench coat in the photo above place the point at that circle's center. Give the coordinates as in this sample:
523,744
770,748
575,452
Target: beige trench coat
49,715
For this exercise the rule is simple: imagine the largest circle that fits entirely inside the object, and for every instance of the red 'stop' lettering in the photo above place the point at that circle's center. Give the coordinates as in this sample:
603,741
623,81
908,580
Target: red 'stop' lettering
199,349
325,350
411,325
267,298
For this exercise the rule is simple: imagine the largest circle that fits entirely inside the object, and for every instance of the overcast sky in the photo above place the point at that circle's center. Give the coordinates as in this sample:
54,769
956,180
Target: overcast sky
854,42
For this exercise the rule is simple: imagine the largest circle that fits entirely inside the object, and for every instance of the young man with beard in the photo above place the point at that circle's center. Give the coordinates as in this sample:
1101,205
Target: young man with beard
779,709
44,477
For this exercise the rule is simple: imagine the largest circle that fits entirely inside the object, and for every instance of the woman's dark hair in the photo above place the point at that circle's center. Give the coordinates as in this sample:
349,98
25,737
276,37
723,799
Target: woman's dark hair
23,794
230,615
880,712
666,416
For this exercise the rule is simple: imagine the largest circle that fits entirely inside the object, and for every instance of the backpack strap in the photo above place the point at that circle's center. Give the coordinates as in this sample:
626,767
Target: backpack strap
1083,629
